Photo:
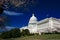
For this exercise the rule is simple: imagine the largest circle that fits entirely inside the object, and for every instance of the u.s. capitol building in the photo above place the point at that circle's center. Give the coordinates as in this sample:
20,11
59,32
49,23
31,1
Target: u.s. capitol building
46,25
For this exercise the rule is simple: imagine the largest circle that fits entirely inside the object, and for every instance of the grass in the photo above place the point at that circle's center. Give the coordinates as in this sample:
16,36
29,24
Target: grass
38,37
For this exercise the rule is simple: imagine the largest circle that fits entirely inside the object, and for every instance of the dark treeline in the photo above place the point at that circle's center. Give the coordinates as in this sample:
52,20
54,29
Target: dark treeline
14,33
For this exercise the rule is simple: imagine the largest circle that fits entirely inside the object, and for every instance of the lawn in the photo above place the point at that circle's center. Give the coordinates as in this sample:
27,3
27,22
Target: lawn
38,37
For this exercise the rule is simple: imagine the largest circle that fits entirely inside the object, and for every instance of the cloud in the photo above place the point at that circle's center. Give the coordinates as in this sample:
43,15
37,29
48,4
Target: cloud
9,27
12,13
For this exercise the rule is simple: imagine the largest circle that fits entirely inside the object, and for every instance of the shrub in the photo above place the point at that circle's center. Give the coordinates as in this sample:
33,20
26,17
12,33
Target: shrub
11,34
15,33
25,32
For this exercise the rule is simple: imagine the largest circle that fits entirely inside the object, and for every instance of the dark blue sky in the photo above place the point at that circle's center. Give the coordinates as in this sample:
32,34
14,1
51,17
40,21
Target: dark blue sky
42,9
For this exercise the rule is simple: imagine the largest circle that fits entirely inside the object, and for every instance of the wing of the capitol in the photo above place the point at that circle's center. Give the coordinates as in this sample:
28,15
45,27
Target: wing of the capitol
44,26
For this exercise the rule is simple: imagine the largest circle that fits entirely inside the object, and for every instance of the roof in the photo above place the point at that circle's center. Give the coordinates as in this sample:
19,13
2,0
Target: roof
24,27
47,19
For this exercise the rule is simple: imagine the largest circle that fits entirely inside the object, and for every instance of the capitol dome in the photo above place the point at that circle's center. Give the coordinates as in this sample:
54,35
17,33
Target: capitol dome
33,19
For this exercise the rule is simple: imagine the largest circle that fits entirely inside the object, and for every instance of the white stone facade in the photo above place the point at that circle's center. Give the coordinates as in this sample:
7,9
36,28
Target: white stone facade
46,25
49,25
32,25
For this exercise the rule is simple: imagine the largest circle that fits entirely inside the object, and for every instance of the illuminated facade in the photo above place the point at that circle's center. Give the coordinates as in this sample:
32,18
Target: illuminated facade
44,26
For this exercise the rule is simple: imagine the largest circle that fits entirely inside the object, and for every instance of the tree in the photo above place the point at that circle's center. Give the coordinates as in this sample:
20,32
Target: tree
1,17
25,32
1,9
14,33
5,35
